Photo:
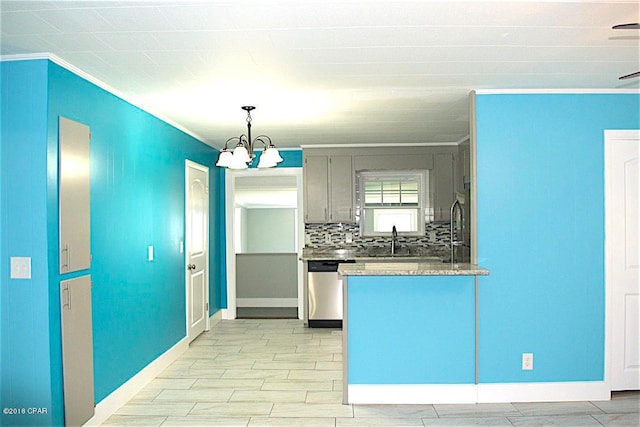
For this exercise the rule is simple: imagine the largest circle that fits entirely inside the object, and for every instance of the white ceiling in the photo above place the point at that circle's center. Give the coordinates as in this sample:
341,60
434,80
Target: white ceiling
328,72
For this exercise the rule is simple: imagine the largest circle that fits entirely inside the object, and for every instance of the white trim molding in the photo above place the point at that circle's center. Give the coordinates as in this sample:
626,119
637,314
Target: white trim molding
216,317
110,404
266,302
544,392
397,394
554,91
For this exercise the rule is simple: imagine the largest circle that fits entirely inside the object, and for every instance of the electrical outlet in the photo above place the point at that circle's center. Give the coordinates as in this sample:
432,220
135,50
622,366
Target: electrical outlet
307,239
327,238
348,237
527,361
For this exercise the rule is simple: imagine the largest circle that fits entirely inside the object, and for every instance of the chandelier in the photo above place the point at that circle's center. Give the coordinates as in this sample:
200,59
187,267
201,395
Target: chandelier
242,155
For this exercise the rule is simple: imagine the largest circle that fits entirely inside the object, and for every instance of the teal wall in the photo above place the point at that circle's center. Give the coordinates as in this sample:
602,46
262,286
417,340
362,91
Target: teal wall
540,180
137,199
27,343
290,159
411,329
540,165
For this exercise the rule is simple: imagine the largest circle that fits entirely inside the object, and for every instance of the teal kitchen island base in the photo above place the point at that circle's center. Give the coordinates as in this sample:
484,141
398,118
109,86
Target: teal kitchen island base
409,333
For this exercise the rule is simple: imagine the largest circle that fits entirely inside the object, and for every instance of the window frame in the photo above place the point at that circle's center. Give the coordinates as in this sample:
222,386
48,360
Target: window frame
422,208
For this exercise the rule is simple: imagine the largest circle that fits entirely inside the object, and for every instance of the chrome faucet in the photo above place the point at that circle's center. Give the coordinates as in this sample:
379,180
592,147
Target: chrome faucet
457,219
394,240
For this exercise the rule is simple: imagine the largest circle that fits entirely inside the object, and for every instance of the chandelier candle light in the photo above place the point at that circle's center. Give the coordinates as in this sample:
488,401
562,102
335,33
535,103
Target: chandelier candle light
243,154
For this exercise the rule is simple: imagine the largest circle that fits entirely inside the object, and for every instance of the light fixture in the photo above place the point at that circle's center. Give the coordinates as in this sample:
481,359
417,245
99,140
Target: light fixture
242,155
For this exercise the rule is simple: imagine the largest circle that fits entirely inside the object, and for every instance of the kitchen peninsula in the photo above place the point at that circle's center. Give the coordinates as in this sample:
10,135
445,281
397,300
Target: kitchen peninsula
410,332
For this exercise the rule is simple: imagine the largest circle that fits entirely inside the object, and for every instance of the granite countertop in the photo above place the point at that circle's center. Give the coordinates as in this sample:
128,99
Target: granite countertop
410,268
428,254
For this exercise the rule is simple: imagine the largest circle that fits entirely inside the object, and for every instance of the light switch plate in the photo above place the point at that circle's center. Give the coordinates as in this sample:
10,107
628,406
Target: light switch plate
150,252
20,267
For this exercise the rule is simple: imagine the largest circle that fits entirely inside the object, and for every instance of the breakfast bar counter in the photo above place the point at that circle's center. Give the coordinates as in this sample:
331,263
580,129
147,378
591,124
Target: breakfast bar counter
411,268
410,332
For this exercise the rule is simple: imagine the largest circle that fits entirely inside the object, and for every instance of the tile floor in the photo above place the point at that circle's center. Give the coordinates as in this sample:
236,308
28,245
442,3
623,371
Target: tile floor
279,373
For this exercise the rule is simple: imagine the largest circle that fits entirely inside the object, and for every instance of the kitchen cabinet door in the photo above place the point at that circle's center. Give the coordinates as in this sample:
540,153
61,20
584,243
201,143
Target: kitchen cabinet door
316,185
341,189
77,350
75,235
444,190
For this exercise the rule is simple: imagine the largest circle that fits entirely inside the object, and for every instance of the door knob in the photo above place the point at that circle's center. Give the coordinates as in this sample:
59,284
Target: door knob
191,266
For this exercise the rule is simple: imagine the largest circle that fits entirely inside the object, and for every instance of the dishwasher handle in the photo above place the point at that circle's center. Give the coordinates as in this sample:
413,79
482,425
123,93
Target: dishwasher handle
325,266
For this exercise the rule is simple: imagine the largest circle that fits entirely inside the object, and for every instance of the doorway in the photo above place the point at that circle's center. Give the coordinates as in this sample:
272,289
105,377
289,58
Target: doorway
197,248
622,259
264,233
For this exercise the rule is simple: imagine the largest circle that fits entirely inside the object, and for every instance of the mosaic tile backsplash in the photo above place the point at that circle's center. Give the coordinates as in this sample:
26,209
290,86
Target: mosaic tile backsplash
436,234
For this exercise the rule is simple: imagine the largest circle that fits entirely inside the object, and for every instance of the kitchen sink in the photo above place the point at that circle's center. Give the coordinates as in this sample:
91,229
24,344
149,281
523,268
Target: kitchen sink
402,252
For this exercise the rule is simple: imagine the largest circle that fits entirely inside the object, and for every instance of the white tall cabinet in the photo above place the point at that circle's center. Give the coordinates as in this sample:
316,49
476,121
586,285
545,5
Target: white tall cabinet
74,256
77,350
75,215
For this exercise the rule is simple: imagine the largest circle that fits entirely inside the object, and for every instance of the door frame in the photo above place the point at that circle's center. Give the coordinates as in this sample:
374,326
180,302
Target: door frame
610,137
183,247
230,177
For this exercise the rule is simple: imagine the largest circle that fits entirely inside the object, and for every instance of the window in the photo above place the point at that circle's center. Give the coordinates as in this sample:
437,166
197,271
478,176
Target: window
389,198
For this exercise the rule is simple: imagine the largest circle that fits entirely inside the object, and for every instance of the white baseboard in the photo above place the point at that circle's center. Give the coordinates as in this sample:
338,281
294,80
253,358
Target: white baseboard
110,404
411,393
482,393
266,302
216,317
544,392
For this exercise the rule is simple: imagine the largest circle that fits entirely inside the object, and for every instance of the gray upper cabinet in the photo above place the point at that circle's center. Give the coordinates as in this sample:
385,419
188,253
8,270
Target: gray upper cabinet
328,188
75,235
329,177
341,189
316,186
444,186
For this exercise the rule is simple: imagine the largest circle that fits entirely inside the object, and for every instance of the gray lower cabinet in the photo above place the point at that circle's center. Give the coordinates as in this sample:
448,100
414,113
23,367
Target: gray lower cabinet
77,350
75,235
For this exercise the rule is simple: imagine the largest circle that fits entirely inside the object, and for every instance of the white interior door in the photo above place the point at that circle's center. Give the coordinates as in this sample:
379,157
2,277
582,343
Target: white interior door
622,187
197,248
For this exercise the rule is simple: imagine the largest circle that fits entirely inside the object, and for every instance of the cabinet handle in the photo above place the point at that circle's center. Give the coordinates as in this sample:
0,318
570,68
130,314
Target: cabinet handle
65,251
68,294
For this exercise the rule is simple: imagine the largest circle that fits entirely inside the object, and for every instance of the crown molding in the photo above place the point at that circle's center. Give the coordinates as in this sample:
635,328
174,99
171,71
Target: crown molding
102,85
554,91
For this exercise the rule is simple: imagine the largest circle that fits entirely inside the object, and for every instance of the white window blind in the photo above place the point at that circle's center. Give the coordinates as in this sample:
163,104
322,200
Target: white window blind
392,198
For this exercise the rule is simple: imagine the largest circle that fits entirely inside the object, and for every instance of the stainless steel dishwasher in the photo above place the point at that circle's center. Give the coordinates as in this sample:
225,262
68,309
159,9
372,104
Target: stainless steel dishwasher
325,294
